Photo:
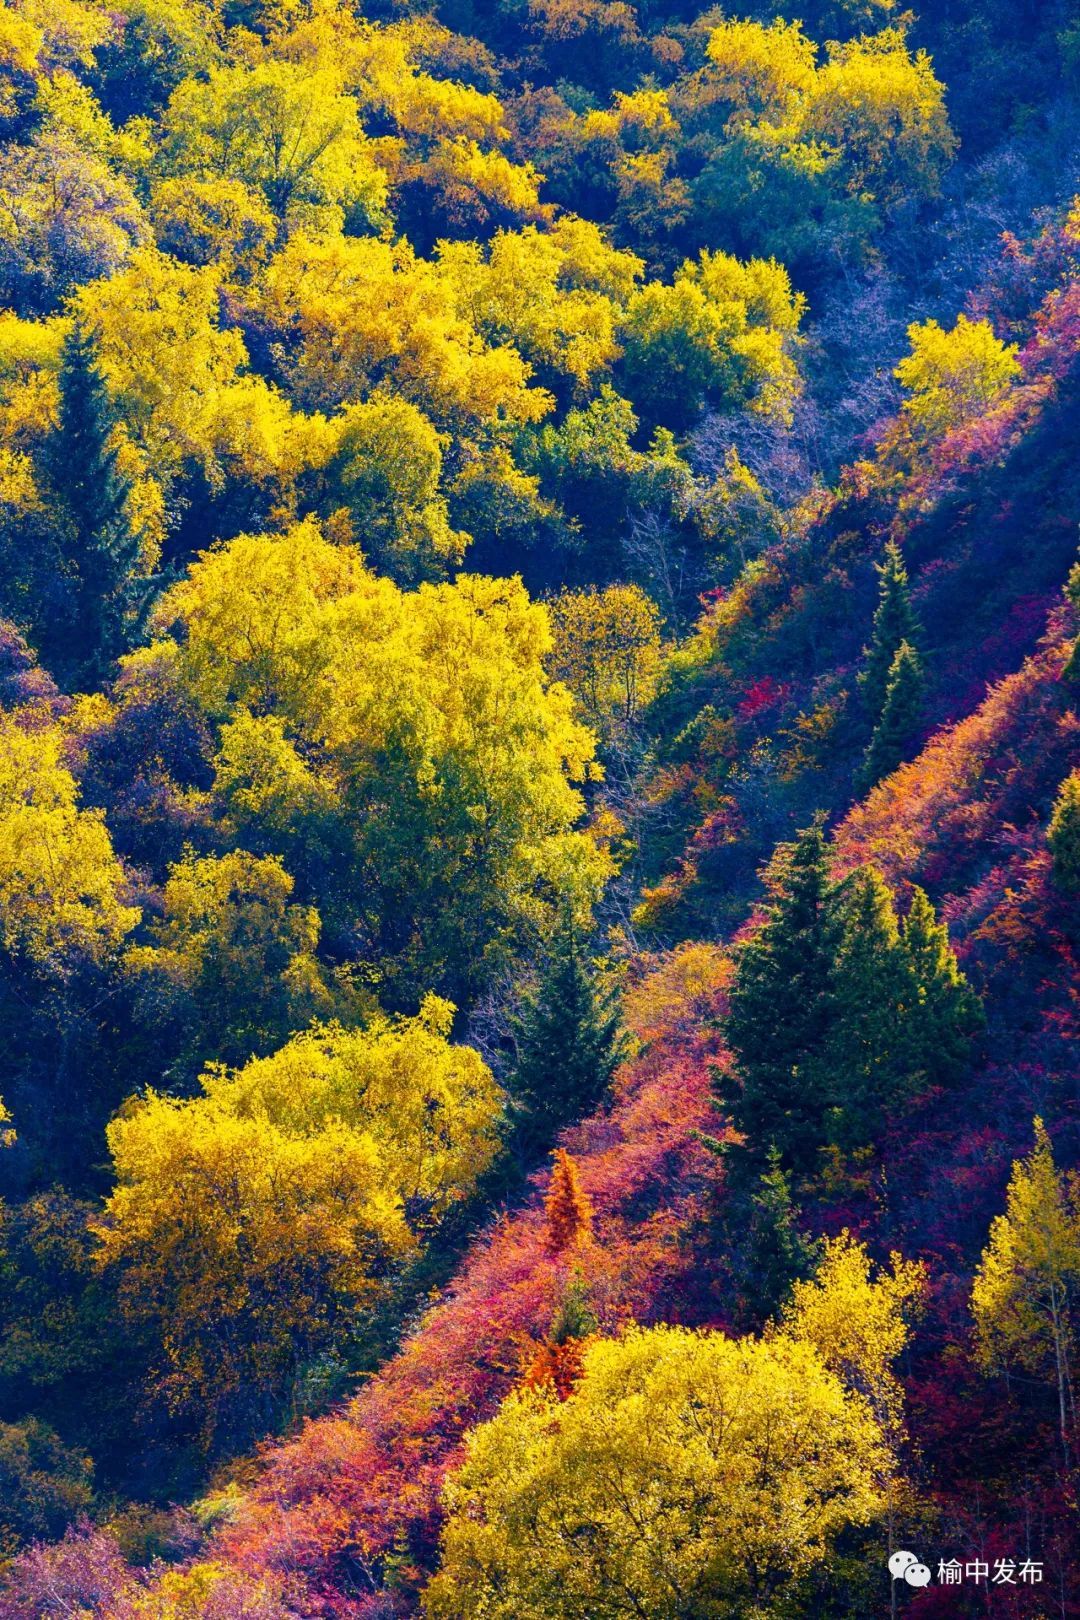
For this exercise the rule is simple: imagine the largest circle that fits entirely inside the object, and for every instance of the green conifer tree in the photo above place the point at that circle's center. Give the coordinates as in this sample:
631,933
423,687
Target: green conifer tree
776,1252
1063,835
782,1008
947,1012
866,1052
569,1040
1071,672
891,743
838,1014
894,622
92,493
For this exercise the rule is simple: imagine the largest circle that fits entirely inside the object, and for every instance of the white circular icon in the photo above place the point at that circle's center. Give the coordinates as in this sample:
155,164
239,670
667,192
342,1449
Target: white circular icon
917,1575
900,1563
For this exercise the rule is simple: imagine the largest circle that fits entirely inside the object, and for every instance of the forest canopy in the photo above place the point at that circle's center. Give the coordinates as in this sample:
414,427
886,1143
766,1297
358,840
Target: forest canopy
539,808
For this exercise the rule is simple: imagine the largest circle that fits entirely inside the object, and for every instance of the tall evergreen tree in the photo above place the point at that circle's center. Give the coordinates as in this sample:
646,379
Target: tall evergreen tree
1071,672
867,1049
894,622
770,1251
92,492
782,1008
838,1014
1063,836
891,743
568,1037
947,1013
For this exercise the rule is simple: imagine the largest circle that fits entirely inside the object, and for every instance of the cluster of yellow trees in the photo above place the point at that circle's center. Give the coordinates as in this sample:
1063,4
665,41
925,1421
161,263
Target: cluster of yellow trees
687,1472
694,1473
418,734
271,338
767,140
321,279
251,1222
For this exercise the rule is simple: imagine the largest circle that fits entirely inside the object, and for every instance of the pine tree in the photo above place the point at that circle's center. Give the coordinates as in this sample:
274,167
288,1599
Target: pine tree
838,1013
867,1050
1071,672
782,1008
92,492
1063,836
947,1013
775,1252
900,715
569,1040
894,622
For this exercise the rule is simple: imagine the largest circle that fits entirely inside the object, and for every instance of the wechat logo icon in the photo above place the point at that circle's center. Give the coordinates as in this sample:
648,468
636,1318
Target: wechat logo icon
905,1566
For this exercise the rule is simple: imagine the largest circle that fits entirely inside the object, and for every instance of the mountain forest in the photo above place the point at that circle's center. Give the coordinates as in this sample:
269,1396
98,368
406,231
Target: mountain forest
539,810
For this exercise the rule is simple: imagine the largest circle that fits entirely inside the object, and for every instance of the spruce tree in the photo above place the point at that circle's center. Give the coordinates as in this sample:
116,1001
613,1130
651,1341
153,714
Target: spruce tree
92,492
782,1008
776,1253
946,1013
1071,672
894,622
867,1050
891,743
1063,836
568,1037
838,1014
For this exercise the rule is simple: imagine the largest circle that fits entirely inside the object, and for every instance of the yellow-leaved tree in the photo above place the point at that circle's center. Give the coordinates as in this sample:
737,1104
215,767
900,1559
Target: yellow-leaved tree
952,377
249,1225
359,312
686,1473
881,110
232,964
607,650
285,129
61,885
177,376
859,1321
722,332
1026,1296
406,752
384,472
556,295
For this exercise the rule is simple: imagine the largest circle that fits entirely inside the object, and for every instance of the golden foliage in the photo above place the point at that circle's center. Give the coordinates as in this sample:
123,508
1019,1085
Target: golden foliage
61,886
246,1221
607,651
1026,1294
684,1472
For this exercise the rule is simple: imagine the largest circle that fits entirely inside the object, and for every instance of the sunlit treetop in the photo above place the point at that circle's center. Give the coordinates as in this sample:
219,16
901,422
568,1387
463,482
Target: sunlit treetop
683,1472
247,1221
419,729
951,377
62,890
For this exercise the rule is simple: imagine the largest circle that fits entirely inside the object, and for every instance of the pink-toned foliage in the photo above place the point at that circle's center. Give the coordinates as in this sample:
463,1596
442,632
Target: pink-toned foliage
352,1503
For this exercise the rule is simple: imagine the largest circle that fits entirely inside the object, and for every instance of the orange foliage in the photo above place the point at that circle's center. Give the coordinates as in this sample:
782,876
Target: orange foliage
566,1208
559,1365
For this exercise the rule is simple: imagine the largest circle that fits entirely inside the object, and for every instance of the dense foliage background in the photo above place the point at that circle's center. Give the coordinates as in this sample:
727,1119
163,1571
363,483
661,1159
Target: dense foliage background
539,808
